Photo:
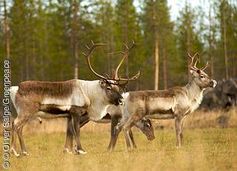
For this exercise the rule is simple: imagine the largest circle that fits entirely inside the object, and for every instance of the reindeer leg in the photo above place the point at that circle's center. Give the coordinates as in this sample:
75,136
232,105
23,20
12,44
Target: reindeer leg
69,137
178,129
22,143
76,132
76,113
114,132
19,123
129,124
13,141
181,131
127,139
126,129
132,138
84,119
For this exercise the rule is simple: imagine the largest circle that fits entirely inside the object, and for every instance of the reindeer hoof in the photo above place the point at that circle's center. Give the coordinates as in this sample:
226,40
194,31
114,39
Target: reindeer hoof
80,151
24,153
14,152
109,149
66,150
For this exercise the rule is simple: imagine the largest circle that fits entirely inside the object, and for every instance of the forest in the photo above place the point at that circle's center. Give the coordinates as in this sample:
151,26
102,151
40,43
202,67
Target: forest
44,39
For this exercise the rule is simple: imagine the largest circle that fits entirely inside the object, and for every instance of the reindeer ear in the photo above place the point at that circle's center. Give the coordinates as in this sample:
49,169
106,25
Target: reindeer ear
191,71
102,83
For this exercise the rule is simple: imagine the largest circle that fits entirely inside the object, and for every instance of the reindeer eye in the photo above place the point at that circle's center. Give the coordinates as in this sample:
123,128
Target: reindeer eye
108,88
202,76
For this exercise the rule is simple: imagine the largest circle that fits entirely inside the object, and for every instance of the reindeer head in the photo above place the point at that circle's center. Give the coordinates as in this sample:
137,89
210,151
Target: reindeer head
112,91
146,127
112,86
198,74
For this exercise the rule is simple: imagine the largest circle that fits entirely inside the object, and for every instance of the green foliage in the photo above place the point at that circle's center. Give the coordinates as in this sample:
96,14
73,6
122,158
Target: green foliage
188,41
156,20
127,29
42,48
226,17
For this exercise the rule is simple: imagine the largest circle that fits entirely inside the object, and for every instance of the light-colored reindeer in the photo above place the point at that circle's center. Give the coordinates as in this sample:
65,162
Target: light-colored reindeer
114,115
73,98
174,103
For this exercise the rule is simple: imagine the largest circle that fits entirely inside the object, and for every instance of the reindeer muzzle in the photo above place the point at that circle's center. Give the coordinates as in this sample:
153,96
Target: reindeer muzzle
151,137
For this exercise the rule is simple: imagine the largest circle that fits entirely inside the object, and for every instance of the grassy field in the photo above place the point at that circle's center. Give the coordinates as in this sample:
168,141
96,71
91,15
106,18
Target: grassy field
204,149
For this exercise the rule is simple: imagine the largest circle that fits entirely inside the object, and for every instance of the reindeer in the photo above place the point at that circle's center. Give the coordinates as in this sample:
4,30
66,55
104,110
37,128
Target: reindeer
114,115
72,99
144,125
174,103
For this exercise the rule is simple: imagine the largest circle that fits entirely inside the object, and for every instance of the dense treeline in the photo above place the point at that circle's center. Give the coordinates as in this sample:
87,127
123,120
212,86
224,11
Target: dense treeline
46,39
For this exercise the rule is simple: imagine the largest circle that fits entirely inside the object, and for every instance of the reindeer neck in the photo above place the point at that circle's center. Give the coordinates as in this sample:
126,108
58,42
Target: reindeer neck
93,90
193,90
98,103
90,88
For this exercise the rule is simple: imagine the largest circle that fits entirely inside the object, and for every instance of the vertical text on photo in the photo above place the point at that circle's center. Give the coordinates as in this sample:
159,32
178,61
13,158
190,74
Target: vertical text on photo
6,114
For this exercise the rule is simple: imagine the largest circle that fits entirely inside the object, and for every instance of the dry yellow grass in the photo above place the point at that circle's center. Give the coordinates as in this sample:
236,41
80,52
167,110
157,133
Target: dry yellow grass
208,148
204,149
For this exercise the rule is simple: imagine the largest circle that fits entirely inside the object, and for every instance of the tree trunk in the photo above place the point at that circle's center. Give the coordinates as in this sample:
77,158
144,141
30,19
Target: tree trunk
6,31
26,54
188,45
188,50
210,41
75,9
165,70
225,47
156,64
76,65
126,39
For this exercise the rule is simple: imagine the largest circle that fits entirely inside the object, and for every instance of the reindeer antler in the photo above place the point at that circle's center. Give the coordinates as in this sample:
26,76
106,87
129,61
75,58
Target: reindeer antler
194,67
192,59
88,55
205,67
125,55
116,78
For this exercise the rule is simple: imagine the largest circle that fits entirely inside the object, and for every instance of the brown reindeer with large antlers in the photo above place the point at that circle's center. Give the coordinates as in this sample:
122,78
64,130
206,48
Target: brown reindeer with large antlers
114,115
174,103
71,99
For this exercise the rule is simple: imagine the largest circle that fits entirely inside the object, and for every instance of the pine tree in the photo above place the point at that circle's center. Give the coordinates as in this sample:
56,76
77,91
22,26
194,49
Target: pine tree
18,25
159,37
60,59
127,28
6,31
227,23
74,34
106,30
188,39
